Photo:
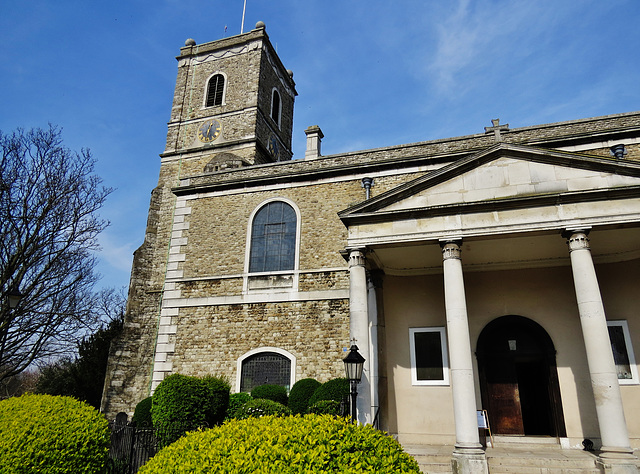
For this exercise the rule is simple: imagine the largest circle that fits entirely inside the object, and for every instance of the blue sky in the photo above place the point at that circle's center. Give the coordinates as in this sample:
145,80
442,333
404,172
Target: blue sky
370,73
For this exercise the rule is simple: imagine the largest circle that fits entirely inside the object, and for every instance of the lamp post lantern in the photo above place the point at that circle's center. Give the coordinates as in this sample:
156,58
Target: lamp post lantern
353,365
14,296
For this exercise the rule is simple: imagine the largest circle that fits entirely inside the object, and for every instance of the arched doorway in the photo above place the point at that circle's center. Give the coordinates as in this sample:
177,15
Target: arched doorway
519,378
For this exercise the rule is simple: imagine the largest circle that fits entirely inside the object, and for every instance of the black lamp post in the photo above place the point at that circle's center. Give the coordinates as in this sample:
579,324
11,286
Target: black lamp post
13,298
353,365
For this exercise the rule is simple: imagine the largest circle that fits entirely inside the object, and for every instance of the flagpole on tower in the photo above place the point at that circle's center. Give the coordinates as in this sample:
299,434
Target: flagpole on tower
244,8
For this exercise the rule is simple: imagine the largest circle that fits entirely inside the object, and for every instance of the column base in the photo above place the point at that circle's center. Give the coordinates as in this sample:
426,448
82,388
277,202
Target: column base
469,460
617,460
617,466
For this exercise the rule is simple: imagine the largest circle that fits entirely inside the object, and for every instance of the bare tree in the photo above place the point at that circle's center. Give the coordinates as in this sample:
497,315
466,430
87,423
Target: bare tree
49,198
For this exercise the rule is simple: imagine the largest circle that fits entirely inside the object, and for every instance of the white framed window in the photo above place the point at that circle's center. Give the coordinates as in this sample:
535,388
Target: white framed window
273,246
623,352
265,365
429,361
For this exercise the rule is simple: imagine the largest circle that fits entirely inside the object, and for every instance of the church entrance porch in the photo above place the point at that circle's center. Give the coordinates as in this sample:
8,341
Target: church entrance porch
519,379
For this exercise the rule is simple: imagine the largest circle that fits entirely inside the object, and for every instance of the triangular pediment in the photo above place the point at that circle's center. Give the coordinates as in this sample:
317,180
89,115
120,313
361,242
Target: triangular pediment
503,175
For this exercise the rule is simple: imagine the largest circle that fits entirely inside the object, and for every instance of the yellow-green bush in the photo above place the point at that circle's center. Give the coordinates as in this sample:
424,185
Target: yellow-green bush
284,445
51,434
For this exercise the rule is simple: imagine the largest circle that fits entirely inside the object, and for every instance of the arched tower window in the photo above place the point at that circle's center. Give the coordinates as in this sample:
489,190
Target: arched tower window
276,107
215,90
273,238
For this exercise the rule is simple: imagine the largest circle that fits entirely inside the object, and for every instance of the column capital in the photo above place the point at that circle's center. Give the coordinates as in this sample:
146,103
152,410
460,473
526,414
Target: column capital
451,249
577,239
356,258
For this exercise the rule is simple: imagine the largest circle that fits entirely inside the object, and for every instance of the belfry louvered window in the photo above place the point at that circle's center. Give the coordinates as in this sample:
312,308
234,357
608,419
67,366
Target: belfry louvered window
275,107
215,90
273,238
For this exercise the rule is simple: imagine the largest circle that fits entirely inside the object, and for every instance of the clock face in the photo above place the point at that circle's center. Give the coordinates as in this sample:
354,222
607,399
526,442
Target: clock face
274,149
209,131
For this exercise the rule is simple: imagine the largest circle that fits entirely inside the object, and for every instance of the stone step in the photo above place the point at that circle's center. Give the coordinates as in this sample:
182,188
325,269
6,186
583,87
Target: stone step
532,459
527,441
518,458
431,459
431,468
540,470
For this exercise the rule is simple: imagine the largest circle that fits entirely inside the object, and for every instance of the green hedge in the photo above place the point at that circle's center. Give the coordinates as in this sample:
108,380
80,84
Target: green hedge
335,389
261,407
236,400
142,414
52,434
325,407
284,445
182,403
277,393
219,389
300,394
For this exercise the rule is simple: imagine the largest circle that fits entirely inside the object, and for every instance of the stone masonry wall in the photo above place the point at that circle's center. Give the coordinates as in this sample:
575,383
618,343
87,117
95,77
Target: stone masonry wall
211,339
217,235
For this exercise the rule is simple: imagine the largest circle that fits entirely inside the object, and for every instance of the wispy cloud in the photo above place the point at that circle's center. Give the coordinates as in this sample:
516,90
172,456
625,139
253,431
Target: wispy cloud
484,34
115,252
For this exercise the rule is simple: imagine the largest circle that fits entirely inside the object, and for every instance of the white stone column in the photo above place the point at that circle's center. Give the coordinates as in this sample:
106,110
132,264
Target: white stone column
604,378
359,328
373,346
460,359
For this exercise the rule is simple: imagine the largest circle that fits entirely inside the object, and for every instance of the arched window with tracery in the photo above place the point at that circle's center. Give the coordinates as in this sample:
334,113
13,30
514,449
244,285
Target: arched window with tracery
265,367
215,90
273,238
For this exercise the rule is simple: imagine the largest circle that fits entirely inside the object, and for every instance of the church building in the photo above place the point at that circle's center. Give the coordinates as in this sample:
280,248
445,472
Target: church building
498,271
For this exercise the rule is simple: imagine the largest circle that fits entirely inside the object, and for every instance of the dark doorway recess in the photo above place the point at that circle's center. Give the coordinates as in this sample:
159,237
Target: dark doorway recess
519,378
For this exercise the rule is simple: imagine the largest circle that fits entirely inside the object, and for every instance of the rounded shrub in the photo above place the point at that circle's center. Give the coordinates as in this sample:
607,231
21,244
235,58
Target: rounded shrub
52,434
219,389
334,389
261,407
326,407
182,403
294,444
142,413
300,394
277,393
236,400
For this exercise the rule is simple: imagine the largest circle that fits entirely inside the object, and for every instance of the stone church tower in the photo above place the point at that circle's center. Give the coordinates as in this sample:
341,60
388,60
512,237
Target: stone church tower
232,107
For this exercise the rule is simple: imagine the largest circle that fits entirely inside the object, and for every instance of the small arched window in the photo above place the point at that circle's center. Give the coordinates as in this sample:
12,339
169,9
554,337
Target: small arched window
275,107
273,238
265,368
215,90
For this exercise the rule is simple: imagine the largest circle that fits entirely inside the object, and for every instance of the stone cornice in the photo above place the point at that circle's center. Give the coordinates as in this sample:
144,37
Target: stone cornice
414,154
540,155
519,202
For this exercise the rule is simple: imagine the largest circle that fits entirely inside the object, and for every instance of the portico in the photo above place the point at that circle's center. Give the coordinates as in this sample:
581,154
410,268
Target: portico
483,239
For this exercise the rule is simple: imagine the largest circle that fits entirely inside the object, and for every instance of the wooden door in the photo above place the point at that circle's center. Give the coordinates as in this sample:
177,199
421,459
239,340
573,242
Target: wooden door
503,397
518,378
